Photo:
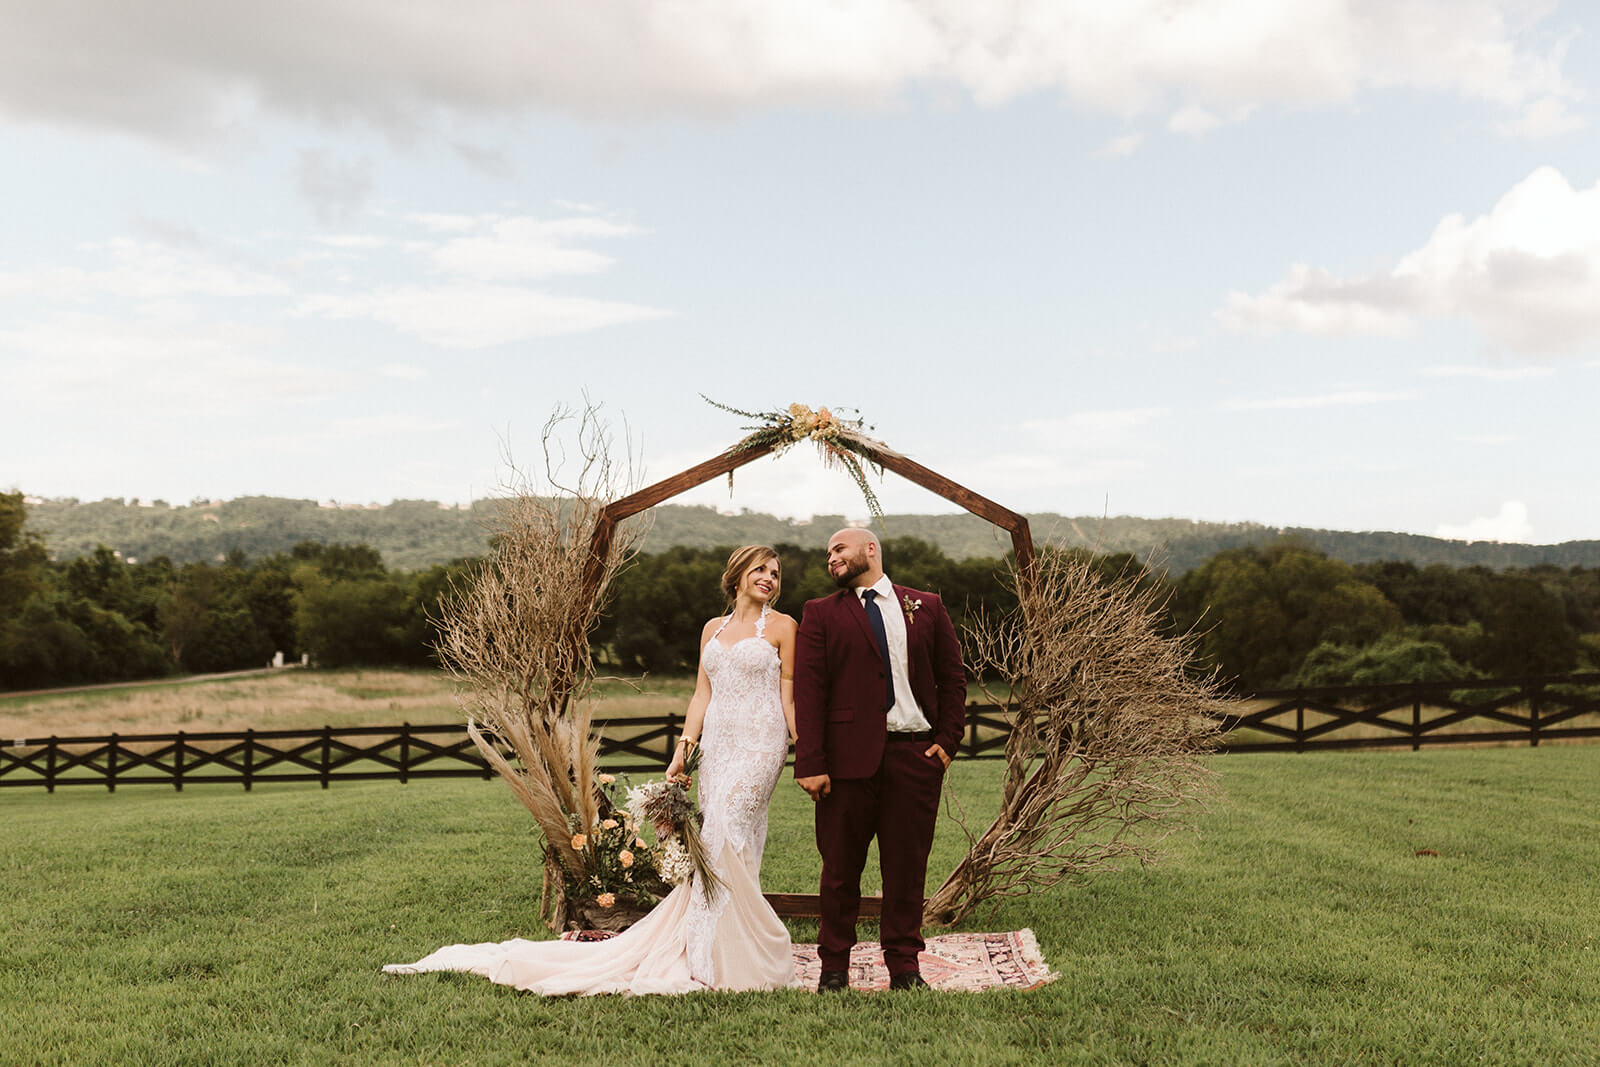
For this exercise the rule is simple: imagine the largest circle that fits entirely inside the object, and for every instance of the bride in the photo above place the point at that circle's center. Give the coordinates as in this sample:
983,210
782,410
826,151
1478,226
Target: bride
742,718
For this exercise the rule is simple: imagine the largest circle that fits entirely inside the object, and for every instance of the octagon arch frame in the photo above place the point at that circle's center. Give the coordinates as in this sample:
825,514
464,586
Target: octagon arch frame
727,462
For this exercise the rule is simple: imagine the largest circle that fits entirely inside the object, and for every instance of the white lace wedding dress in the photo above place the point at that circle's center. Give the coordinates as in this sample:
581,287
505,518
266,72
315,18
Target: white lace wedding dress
731,940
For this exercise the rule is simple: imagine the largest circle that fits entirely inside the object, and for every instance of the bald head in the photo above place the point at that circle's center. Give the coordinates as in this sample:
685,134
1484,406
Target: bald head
855,558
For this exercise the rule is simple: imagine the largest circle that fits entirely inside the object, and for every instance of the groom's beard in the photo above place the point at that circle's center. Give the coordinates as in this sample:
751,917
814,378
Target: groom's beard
851,570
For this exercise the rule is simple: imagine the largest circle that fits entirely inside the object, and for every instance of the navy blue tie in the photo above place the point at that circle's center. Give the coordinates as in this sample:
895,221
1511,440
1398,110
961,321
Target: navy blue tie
869,600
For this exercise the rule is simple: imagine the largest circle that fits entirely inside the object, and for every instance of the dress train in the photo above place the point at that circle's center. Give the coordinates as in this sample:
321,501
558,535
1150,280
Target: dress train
751,949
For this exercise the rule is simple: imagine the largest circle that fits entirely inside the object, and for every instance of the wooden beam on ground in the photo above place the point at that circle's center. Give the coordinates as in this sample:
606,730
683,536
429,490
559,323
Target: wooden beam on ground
809,905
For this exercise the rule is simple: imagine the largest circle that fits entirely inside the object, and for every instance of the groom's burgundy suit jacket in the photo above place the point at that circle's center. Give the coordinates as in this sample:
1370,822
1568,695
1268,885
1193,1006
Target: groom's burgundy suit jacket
839,682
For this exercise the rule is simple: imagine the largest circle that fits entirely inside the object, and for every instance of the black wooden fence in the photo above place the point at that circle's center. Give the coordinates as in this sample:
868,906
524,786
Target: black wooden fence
1526,710
1506,710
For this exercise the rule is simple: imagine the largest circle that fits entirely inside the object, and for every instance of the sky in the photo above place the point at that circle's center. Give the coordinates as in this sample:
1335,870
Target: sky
1324,264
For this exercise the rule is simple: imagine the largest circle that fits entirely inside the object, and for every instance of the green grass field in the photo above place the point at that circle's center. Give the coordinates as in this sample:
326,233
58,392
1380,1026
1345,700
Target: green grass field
1296,925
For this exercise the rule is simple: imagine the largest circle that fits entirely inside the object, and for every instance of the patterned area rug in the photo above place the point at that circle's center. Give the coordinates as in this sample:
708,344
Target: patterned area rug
962,962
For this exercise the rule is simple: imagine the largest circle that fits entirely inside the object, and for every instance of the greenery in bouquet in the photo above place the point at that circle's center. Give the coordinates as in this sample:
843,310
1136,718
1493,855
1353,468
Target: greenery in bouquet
668,807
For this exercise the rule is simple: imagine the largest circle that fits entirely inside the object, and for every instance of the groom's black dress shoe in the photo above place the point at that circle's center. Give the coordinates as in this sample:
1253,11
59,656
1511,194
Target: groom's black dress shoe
833,982
909,980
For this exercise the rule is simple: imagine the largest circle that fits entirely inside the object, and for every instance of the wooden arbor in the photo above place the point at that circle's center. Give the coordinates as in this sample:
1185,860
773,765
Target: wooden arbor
666,489
801,904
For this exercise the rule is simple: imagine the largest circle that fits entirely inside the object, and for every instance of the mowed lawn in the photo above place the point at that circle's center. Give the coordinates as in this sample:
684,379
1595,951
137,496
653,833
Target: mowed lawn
1297,924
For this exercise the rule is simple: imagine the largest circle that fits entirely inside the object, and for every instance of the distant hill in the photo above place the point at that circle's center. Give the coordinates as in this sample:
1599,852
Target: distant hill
413,534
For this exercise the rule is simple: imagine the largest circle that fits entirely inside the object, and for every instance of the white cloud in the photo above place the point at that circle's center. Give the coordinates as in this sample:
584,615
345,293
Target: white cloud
1125,145
141,330
490,161
473,315
1511,524
1489,439
137,311
1193,120
1348,398
1097,426
403,371
365,426
440,222
139,271
1313,301
1545,117
524,247
476,301
357,241
1493,374
1078,450
336,189
186,69
92,363
1527,274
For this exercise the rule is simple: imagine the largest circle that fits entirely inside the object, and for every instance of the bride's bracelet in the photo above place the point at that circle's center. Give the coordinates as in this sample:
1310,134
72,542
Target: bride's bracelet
691,742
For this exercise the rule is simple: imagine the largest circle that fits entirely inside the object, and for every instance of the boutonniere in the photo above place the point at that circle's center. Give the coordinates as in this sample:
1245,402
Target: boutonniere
910,607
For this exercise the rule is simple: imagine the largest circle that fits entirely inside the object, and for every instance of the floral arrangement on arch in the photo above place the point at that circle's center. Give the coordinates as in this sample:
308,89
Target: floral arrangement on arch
840,442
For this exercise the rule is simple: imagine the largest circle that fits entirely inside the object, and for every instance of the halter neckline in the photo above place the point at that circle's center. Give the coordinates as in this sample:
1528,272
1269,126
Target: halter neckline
761,625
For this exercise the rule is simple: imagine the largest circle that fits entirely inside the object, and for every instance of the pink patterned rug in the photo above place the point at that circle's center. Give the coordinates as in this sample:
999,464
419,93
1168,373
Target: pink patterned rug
963,962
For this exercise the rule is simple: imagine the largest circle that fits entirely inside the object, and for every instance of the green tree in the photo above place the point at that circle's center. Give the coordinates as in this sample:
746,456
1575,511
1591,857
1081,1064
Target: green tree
660,606
1433,595
1525,631
354,622
1392,658
208,623
1259,611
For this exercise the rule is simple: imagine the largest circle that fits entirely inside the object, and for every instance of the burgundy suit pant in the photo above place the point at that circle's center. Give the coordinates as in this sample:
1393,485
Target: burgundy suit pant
898,805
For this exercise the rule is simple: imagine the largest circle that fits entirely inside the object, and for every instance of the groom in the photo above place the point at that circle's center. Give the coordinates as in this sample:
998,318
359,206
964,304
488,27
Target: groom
880,697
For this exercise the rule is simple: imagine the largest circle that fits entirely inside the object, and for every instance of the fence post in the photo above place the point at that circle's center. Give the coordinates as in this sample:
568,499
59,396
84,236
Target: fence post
111,765
1416,722
1533,708
405,750
1299,720
50,765
672,728
327,751
249,756
177,764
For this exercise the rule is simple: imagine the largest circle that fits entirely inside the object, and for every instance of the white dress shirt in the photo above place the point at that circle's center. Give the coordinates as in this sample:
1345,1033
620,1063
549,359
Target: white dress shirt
906,716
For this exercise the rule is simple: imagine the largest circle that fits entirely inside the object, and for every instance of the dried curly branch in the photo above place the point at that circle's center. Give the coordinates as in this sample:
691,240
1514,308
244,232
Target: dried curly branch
516,638
1109,733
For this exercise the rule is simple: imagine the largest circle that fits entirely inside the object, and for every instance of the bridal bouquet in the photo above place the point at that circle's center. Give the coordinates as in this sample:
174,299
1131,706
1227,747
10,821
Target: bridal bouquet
668,807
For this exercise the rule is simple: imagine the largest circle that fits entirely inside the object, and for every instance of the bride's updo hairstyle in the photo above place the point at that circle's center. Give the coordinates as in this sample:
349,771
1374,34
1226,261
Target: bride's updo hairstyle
740,562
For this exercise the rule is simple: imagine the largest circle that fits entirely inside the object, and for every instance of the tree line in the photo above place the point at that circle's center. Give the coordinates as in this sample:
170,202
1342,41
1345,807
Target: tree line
416,534
99,618
1265,616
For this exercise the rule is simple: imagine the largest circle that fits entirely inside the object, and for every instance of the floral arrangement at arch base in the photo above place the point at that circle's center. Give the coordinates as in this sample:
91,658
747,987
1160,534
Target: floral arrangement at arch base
645,841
